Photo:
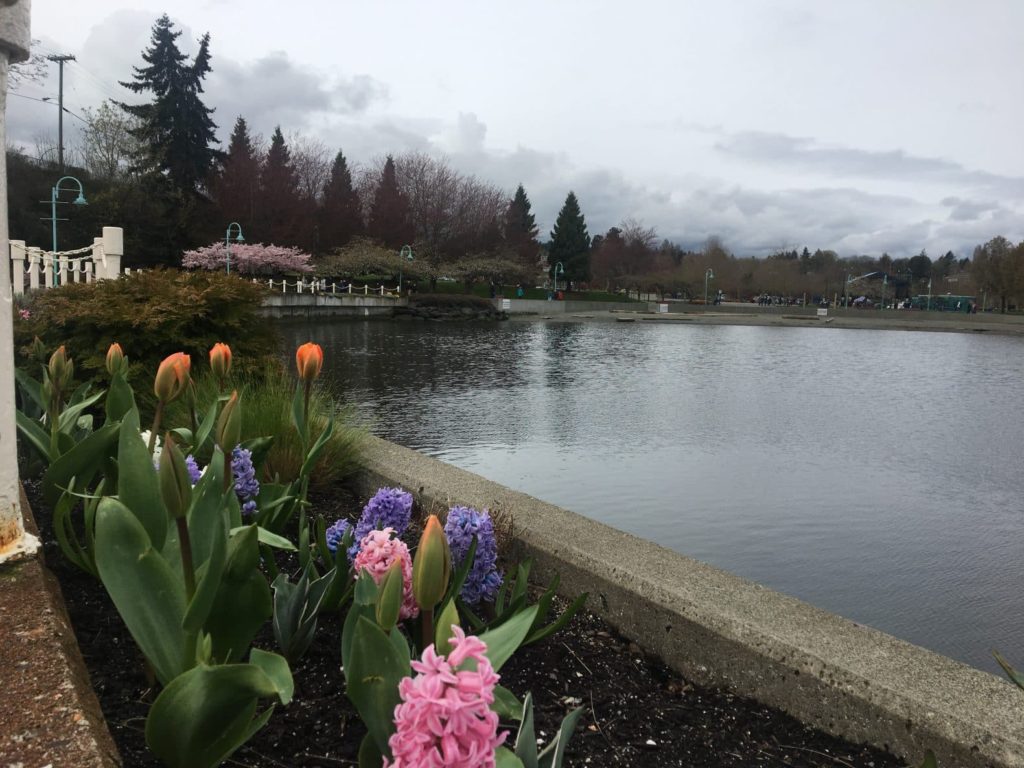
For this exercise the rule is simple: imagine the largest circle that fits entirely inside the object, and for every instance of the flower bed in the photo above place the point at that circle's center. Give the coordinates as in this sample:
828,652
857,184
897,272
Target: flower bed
208,601
637,711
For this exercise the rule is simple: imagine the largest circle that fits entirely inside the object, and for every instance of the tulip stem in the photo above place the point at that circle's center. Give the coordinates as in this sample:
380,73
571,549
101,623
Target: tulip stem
156,425
185,544
427,625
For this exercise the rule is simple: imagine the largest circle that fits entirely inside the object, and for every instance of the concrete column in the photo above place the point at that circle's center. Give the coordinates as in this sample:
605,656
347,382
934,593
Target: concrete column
18,266
113,250
35,263
14,541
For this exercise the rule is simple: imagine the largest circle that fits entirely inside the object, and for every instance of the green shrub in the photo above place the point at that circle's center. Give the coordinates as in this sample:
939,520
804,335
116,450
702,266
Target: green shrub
449,300
150,314
268,407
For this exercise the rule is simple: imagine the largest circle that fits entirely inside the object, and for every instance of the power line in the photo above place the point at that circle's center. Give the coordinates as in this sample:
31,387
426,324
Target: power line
49,100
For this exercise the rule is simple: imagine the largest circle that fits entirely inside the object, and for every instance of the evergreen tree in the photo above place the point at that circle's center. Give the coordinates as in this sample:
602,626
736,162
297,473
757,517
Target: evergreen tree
570,242
280,204
390,220
177,131
341,214
521,229
237,187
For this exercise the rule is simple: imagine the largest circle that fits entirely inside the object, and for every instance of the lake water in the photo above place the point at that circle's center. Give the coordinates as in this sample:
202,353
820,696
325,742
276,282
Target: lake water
875,474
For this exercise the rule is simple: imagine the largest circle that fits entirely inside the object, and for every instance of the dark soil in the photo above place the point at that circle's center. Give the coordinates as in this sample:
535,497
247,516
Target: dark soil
638,712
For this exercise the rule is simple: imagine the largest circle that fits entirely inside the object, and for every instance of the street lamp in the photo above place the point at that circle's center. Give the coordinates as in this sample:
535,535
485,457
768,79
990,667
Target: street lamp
54,193
708,275
558,268
405,253
227,244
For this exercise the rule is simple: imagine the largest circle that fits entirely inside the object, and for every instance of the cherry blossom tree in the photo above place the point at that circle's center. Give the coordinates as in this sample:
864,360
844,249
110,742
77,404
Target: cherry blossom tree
249,258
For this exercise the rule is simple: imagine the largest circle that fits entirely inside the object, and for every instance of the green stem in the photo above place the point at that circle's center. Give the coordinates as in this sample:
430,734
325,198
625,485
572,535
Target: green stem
186,557
427,625
54,428
305,411
156,425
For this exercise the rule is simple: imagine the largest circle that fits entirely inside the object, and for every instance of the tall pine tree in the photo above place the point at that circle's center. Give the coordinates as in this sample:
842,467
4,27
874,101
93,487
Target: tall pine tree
570,242
280,203
177,131
521,229
390,219
341,214
237,187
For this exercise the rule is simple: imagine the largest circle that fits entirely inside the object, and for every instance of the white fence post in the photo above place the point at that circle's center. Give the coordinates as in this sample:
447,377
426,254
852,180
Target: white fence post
63,272
18,265
35,257
99,264
48,270
88,267
113,250
76,265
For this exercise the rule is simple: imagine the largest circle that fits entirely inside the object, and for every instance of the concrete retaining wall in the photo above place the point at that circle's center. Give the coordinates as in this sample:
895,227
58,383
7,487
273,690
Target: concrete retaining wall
304,305
541,307
718,629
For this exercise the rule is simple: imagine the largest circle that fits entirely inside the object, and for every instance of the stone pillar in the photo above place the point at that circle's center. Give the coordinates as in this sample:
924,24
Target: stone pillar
35,263
113,250
14,541
18,266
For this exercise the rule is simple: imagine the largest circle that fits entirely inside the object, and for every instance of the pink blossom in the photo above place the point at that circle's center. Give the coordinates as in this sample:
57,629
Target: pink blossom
445,719
249,258
24,314
377,551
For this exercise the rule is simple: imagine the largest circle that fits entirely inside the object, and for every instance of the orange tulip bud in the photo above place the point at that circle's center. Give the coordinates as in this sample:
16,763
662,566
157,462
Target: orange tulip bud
432,566
229,425
172,376
220,360
115,359
309,359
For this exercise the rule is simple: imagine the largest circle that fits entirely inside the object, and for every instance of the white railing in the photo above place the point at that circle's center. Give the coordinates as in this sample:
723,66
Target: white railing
33,268
321,286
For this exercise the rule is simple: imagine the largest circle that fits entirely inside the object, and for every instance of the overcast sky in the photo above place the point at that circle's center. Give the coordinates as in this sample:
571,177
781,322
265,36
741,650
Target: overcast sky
862,126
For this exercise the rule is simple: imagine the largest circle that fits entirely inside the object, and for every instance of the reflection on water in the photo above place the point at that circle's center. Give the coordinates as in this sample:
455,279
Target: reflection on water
872,473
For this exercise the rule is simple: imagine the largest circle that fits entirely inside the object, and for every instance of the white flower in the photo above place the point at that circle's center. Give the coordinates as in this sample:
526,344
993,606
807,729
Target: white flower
145,435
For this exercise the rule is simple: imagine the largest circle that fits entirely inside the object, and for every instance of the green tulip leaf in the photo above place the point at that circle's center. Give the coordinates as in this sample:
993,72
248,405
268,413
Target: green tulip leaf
506,704
147,594
503,758
137,485
81,462
374,671
207,713
503,641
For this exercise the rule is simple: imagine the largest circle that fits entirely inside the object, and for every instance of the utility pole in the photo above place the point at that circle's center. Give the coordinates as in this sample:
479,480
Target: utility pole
60,59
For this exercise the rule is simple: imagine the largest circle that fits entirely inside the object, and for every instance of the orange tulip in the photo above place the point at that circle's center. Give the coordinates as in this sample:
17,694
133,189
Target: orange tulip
115,358
309,359
220,360
172,376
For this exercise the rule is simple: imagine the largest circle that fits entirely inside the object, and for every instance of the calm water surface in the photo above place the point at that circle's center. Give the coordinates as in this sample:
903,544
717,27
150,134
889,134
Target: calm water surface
876,474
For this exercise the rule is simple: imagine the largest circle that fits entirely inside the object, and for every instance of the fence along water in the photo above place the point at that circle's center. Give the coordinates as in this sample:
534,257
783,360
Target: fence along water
32,268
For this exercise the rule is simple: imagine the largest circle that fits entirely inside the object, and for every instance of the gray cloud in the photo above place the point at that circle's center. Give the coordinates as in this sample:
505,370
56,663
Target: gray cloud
896,165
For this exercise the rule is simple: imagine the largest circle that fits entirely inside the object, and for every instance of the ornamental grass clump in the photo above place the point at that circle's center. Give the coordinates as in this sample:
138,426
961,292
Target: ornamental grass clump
483,579
445,717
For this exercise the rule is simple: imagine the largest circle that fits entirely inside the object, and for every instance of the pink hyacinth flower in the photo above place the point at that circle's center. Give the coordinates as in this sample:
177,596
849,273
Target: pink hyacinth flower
445,719
24,314
377,551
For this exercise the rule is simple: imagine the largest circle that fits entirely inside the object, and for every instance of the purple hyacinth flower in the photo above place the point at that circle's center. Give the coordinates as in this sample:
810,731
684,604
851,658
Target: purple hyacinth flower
484,579
335,533
389,508
194,472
